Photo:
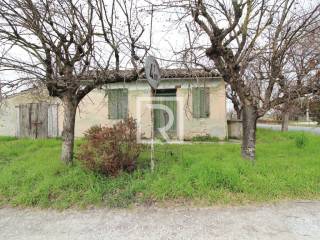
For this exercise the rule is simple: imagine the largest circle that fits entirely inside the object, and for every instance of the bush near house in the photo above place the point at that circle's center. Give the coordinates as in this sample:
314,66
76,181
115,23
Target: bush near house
31,174
110,150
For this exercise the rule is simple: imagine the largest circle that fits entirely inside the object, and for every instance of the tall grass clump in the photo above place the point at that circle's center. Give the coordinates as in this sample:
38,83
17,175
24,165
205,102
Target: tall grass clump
301,140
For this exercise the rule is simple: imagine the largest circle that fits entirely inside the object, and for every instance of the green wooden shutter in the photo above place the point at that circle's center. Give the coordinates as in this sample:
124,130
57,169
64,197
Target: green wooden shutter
200,102
118,103
206,103
112,104
123,104
196,102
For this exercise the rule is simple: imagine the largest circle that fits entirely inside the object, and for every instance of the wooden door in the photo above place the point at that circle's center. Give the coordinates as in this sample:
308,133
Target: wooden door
33,120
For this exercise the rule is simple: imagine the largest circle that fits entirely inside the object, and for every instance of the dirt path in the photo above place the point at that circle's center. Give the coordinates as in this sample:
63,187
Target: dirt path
293,220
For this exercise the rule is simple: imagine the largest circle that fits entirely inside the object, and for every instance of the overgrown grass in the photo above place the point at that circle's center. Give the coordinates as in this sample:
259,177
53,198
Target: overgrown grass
31,174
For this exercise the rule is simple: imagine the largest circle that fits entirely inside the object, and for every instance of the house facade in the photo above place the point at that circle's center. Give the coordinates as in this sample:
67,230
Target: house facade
198,107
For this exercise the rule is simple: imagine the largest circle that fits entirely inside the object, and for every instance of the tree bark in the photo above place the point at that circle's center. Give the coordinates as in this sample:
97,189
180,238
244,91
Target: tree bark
70,108
285,121
239,113
249,126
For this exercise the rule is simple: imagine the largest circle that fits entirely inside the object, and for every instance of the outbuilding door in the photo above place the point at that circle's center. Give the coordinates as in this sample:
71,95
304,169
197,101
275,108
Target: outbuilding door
165,97
37,120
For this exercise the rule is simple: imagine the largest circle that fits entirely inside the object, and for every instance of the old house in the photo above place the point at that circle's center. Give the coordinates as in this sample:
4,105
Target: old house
198,104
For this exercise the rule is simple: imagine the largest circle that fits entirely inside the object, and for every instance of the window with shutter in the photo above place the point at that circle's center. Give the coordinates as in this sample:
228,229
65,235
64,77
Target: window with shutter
200,102
118,103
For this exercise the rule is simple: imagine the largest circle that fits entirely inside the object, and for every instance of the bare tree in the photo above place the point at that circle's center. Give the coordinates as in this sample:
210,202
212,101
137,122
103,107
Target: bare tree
302,65
70,47
236,32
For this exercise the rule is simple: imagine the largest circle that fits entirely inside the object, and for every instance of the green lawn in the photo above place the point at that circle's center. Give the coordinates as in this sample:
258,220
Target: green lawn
31,174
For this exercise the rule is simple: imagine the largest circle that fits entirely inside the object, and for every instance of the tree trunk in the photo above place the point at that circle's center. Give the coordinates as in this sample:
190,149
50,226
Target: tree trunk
249,125
70,108
285,121
239,113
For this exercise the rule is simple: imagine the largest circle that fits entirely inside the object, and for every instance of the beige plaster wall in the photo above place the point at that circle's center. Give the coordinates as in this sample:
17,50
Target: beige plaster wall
235,129
216,123
93,110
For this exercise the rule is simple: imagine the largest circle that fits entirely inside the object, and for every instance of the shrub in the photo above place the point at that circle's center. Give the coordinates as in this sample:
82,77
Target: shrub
301,141
205,138
110,150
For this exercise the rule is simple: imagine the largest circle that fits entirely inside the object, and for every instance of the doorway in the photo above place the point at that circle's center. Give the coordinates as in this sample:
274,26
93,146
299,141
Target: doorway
166,97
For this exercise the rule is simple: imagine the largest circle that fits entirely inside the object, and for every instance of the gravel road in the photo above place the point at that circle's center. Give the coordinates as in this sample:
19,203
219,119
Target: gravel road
289,220
312,129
